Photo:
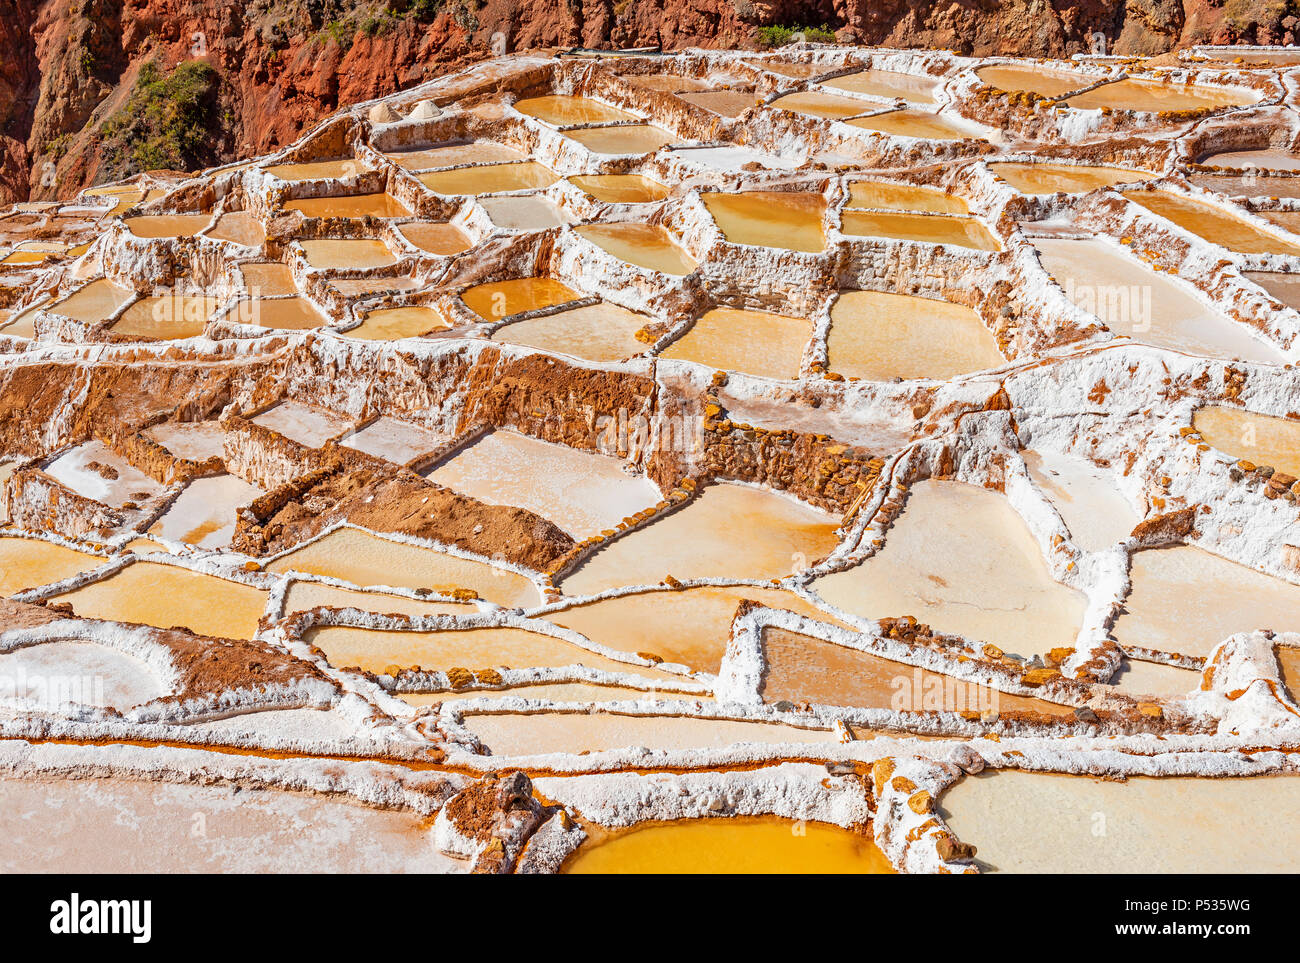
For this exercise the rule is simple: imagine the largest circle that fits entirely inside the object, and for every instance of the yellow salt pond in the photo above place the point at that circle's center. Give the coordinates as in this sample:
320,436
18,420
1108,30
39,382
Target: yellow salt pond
152,593
444,239
753,845
1151,95
755,342
316,170
96,301
1214,224
781,219
1184,599
930,228
29,562
645,245
882,195
501,299
303,596
620,188
1288,662
1067,178
287,314
880,336
724,103
359,557
167,225
1261,439
350,205
727,530
239,227
167,317
1025,822
388,324
912,123
622,139
961,560
490,179
888,83
597,332
453,155
1039,80
562,110
1137,678
814,103
1091,505
553,692
268,279
524,213
347,253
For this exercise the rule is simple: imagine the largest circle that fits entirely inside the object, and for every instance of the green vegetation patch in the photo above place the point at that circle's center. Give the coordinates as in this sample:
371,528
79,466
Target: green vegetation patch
170,121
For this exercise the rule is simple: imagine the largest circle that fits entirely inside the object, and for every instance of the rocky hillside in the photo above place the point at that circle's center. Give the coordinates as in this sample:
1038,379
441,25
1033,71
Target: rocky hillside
92,90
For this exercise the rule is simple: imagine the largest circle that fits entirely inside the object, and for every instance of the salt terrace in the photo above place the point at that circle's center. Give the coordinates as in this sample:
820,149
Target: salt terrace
596,464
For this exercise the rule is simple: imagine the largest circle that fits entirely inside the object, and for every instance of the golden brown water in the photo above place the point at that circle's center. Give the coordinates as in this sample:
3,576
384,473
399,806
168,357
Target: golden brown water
629,139
1214,224
962,561
316,170
931,228
347,253
166,317
755,342
351,205
645,245
741,844
392,323
268,279
1288,663
29,562
1039,80
879,336
551,692
620,188
1070,178
364,559
94,302
442,239
1262,439
562,111
501,299
727,530
304,596
289,314
490,179
597,332
1149,95
814,103
453,155
788,220
888,83
167,225
882,195
912,123
164,595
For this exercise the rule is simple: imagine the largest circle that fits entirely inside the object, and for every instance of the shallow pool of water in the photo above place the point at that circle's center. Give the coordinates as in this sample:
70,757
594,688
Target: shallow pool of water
815,103
562,110
268,279
1262,439
195,440
724,103
444,239
645,245
755,342
912,123
167,225
1086,497
526,213
409,321
1040,80
204,513
625,139
1150,95
490,179
316,170
393,439
501,299
781,219
30,562
882,195
1067,178
930,228
83,673
453,155
166,317
1214,224
597,332
347,253
350,206
888,83
239,227
1270,160
303,423
93,302
620,188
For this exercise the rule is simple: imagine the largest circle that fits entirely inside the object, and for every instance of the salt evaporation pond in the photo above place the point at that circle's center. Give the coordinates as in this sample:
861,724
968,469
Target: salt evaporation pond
30,562
1259,439
1066,178
596,332
781,219
77,672
891,84
645,245
408,321
490,179
620,188
755,342
1214,224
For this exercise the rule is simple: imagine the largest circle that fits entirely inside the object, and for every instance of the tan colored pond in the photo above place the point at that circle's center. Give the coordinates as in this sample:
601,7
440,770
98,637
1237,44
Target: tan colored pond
880,336
167,317
388,324
930,228
597,332
347,253
781,219
1150,95
1288,662
453,155
1039,80
444,239
268,280
1269,160
501,299
727,530
490,179
623,139
365,559
524,213
303,423
882,195
551,692
316,170
195,440
1261,439
962,561
304,596
286,314
724,103
152,593
1137,678
815,103
96,471
30,562
393,439
1213,224
755,342
620,188
751,845
167,225
562,110
645,245
912,123
1067,178
1186,600
888,83
94,302
1093,508
351,206
204,513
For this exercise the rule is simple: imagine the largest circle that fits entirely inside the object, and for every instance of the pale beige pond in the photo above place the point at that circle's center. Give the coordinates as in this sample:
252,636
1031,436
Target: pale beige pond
444,239
623,139
502,299
1150,95
167,225
755,342
645,245
814,103
268,279
962,561
303,596
30,562
239,227
195,440
347,253
620,188
724,103
912,123
286,314
350,206
1067,178
1092,506
1214,224
727,530
93,302
396,440
888,83
204,513
490,179
781,219
387,324
561,110
1261,439
597,332
1043,81
453,155
930,228
316,170
1137,678
882,195
166,317
524,213
303,423
879,336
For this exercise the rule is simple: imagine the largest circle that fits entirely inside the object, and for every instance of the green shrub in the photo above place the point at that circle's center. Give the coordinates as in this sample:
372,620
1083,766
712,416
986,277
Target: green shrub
170,121
780,36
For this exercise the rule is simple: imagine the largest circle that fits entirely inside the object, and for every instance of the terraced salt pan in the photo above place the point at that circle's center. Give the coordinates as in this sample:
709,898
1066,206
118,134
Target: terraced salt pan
30,562
204,513
239,227
502,299
361,558
1249,184
445,239
96,471
453,155
582,492
195,440
316,170
123,826
689,626
645,245
620,188
888,83
961,560
883,195
1213,224
350,206
1186,600
1288,661
303,596
1040,80
1137,678
1067,178
931,228
562,111
815,103
755,342
396,440
1149,95
739,844
912,123
1093,508
622,139
166,317
596,332
152,593
1131,299
1269,160
549,691
1261,439
268,279
727,530
880,336
724,103
85,673
167,225
303,423
347,253
408,321
524,213
95,301
490,179
1044,823
733,159
782,219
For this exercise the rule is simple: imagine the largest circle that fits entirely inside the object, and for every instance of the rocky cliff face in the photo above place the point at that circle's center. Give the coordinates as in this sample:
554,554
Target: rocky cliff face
92,90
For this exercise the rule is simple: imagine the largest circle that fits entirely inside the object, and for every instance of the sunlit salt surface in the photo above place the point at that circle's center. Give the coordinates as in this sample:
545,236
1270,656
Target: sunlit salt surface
396,440
552,692
782,219
740,844
912,123
239,227
755,342
931,228
620,188
888,83
490,179
1043,81
151,593
623,139
645,245
29,562
562,111
305,595
166,317
1151,95
86,673
815,103
347,253
316,170
167,225
1131,299
361,558
204,513
1137,678
1288,661
452,155
1092,506
1260,439
96,471
879,336
195,440
1186,600
1269,160
596,332
303,423
408,321
124,826
444,239
962,561
883,195
501,299
1069,178
1045,823
582,492
94,302
1214,224
724,103
268,280
350,205
524,213
727,530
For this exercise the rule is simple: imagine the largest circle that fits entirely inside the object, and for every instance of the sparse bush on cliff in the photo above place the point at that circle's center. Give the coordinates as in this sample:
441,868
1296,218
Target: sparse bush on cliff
171,120
780,36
